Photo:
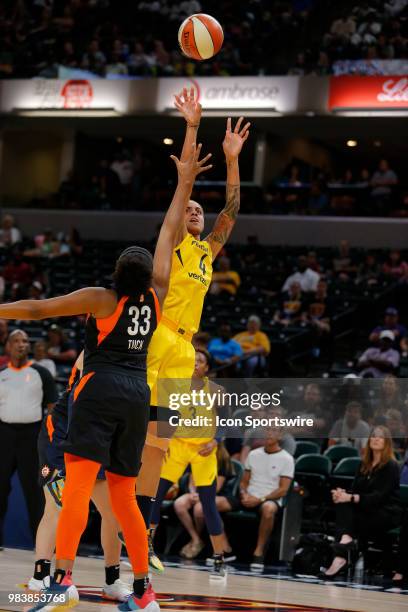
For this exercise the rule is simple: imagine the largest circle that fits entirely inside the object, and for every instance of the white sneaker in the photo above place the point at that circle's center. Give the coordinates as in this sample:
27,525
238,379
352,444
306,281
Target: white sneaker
38,585
218,572
119,591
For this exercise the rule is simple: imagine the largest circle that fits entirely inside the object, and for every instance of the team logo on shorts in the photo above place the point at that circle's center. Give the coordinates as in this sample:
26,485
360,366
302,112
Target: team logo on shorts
45,471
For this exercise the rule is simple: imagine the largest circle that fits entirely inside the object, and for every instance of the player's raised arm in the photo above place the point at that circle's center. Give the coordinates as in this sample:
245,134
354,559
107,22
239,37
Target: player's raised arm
96,300
187,171
187,103
225,221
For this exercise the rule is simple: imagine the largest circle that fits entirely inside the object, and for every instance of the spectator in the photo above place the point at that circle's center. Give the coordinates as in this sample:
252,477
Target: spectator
17,271
382,182
268,474
306,277
224,351
351,430
40,357
9,233
369,271
253,439
372,507
26,390
94,59
392,324
124,169
36,291
59,349
3,341
139,63
390,398
255,347
317,200
224,500
291,305
225,280
318,312
398,429
343,264
313,407
375,362
116,66
395,266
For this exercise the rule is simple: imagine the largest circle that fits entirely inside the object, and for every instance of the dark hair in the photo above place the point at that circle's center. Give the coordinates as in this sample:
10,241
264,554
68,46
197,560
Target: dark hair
133,272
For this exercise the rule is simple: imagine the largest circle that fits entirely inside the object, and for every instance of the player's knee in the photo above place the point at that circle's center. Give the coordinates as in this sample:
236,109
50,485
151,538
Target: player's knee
182,504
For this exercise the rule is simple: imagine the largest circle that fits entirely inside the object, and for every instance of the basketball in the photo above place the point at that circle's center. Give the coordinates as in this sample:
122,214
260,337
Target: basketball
200,36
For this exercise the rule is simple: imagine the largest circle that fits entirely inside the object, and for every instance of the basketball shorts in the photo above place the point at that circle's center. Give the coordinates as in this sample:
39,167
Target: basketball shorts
182,454
109,419
170,367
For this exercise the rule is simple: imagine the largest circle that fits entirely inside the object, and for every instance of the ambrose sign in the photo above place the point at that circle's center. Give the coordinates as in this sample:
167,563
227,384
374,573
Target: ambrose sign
348,92
257,93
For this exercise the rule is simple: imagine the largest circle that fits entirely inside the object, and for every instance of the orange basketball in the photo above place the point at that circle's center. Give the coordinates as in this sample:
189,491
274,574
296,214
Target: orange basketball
200,36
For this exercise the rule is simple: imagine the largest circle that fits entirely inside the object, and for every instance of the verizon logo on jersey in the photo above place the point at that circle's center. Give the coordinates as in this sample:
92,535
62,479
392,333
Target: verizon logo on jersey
198,277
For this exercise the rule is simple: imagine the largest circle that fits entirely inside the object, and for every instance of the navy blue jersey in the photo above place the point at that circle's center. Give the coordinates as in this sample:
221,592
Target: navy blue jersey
120,342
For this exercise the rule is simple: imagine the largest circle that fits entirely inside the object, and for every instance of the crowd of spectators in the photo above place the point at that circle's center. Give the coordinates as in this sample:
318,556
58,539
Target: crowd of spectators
302,36
301,294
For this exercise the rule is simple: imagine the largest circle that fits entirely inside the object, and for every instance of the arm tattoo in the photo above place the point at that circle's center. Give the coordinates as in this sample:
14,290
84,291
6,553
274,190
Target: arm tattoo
227,217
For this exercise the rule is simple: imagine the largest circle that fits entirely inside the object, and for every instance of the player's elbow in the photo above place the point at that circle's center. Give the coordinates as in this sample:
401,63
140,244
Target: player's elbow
35,311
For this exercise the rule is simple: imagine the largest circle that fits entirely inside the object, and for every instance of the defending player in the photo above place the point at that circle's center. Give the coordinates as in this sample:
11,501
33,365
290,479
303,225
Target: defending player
171,354
197,447
111,402
52,478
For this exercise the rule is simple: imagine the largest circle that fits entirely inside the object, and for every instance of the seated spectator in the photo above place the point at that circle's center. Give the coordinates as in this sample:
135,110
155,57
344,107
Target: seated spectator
94,59
40,357
4,358
223,350
255,347
306,277
398,429
200,340
351,430
317,201
372,507
392,324
268,475
18,272
116,66
46,245
291,305
9,233
224,500
395,266
139,63
59,349
343,264
390,399
36,291
368,271
253,438
375,362
318,312
225,280
312,406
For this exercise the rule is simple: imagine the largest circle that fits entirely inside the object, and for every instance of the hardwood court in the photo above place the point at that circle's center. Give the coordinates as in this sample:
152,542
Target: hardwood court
184,589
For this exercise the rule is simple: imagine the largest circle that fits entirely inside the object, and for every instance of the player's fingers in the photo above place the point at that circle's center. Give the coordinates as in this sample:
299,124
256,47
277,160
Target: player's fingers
238,125
178,105
185,94
205,159
175,159
229,124
197,152
245,136
245,128
192,93
204,169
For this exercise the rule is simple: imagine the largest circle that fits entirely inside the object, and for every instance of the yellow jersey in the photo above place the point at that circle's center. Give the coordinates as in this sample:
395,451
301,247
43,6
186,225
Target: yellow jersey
203,420
190,278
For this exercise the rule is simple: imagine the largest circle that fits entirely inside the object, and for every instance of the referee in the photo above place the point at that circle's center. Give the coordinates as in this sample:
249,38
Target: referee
26,390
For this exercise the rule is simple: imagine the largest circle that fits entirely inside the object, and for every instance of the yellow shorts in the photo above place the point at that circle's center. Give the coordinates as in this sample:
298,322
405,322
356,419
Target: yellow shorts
180,455
169,356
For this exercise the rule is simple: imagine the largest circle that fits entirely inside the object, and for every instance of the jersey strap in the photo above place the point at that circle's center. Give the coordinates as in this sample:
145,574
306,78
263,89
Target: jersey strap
106,325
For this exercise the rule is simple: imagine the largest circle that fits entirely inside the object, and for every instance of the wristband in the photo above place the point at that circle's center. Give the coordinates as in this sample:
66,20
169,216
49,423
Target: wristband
193,125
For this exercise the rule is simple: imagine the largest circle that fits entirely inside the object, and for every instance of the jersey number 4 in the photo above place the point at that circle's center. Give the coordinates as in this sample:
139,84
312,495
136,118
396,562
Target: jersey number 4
139,327
201,265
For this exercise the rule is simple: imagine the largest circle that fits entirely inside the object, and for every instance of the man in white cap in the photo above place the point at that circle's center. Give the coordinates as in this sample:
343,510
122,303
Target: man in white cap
378,361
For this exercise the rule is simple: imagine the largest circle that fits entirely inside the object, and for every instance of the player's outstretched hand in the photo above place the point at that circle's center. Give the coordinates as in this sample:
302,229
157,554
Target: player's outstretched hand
188,105
234,140
193,166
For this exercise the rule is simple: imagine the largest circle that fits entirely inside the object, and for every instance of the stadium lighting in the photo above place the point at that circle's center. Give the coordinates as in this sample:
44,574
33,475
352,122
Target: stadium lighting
351,143
168,141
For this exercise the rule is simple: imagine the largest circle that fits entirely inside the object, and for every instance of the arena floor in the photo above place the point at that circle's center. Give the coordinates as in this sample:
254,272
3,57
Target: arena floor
184,588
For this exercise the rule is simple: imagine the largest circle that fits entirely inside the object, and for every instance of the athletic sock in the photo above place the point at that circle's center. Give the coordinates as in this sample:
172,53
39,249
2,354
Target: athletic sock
42,568
59,575
140,586
112,573
146,503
